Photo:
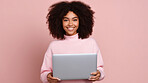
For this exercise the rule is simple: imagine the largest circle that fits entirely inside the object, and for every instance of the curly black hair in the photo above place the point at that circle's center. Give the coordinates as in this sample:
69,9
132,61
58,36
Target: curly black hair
58,10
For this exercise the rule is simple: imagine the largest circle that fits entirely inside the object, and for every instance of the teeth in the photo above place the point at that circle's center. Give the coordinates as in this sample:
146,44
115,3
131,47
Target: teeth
70,29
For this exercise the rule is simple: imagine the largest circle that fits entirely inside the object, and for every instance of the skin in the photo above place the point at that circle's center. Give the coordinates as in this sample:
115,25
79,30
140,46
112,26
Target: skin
96,76
70,25
52,79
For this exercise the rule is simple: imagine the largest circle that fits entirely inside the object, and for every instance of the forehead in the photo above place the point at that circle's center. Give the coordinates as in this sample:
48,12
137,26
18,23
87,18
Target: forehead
70,14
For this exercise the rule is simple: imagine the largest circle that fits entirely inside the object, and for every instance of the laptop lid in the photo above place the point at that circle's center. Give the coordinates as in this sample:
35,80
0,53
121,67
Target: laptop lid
74,66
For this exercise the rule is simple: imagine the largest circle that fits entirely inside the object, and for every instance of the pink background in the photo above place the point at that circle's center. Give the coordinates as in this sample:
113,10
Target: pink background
121,30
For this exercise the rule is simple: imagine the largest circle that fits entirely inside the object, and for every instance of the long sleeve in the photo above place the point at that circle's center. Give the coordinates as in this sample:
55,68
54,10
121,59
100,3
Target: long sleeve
100,63
47,65
71,45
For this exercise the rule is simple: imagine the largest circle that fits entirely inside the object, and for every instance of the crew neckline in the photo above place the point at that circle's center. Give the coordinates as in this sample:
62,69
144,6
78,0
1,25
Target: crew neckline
73,37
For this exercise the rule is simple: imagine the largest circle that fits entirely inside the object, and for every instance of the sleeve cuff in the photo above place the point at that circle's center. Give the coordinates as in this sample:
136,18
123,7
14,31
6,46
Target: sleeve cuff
102,73
44,77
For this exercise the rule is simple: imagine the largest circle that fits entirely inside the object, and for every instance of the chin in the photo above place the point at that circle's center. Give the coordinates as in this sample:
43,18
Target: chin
70,34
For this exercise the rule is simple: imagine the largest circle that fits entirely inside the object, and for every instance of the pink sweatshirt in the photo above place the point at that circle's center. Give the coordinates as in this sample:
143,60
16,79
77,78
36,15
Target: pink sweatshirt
71,45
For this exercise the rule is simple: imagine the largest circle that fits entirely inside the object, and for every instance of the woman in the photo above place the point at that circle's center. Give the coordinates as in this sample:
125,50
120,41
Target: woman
71,23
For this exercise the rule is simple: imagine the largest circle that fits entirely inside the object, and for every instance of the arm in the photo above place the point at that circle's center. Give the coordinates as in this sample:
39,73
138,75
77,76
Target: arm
46,65
99,75
100,65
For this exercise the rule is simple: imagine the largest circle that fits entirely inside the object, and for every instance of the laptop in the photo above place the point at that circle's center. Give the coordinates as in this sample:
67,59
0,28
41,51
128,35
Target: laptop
74,66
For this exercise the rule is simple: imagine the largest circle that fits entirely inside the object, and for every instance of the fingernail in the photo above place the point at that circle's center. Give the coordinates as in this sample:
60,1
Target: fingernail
59,79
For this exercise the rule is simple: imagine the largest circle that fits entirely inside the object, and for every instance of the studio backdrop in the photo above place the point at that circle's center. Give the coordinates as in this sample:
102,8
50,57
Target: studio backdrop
120,29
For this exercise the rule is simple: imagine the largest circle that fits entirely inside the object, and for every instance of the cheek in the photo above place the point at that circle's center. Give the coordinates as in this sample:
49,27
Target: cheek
76,23
64,24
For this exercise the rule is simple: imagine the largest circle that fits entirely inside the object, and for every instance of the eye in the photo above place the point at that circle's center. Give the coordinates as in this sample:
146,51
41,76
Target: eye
74,19
65,20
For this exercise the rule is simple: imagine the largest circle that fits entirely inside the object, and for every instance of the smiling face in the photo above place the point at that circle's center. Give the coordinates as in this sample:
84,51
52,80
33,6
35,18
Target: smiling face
70,23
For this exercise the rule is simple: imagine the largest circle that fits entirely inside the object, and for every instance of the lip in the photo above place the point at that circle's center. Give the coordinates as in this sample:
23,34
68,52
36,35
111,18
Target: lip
70,28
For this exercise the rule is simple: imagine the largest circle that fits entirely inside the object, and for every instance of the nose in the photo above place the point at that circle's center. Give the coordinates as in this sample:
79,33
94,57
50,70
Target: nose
70,22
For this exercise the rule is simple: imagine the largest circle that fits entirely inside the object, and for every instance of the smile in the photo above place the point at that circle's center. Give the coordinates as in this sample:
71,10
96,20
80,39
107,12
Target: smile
70,28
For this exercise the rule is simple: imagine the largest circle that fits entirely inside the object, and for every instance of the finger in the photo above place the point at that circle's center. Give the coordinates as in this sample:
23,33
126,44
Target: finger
98,75
92,79
94,73
58,79
95,77
50,76
53,78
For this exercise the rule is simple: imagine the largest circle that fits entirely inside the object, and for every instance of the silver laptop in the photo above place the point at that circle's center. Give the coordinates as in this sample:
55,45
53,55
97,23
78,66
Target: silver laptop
74,66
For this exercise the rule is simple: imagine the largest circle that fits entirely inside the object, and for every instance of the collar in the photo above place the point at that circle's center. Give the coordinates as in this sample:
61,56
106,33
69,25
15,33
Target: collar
73,37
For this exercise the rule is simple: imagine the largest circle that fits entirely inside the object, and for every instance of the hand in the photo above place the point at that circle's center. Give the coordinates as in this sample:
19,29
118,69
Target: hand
96,76
52,79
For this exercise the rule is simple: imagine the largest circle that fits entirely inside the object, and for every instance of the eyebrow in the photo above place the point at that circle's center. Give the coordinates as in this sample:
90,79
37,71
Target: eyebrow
68,18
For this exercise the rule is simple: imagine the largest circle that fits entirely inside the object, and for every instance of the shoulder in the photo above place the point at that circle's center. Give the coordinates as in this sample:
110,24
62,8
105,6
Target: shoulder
54,43
93,41
90,39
